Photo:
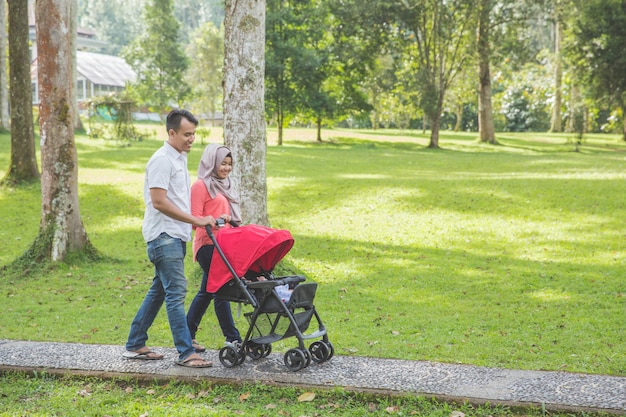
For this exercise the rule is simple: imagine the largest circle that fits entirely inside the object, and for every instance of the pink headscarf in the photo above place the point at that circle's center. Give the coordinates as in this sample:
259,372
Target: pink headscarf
212,158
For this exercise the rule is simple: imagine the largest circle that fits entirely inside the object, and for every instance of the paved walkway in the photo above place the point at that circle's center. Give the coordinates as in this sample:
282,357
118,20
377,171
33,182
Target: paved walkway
557,391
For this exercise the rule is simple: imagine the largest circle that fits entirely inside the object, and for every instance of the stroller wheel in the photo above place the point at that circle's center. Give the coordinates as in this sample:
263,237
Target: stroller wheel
255,350
295,359
267,349
308,357
319,351
230,357
241,355
331,350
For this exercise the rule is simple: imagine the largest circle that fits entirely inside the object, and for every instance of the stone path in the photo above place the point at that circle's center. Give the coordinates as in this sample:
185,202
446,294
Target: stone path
558,391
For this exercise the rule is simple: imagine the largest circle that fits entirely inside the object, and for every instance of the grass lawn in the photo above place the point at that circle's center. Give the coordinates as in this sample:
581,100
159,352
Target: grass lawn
45,395
505,256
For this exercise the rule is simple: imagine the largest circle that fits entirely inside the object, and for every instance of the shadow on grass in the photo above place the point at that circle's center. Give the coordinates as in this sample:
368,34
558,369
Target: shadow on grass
446,304
105,210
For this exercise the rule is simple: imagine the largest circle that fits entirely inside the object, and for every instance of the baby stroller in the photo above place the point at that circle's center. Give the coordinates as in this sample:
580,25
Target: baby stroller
282,306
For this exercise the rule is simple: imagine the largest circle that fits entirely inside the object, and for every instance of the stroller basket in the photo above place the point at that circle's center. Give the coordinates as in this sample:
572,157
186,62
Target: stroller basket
274,324
303,296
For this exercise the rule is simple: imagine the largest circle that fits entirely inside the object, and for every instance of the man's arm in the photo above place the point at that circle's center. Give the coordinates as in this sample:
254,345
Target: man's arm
165,206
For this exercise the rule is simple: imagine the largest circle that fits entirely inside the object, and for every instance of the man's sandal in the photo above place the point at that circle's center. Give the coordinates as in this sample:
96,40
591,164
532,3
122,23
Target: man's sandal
146,355
194,361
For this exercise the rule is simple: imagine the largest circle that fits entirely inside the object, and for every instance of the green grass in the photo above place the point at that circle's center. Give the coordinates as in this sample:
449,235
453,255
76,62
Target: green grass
46,395
504,256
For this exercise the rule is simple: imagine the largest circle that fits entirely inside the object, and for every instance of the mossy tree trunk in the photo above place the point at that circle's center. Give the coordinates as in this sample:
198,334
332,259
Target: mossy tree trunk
244,119
23,166
61,229
78,124
4,92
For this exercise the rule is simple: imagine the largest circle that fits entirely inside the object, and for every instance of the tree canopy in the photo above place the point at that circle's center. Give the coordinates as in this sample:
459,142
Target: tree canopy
158,58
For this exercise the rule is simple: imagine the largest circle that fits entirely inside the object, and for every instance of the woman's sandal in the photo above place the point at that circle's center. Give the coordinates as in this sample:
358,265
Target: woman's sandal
194,361
197,346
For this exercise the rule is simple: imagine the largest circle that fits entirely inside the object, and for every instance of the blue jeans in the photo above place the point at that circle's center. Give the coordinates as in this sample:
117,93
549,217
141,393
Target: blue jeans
169,285
202,300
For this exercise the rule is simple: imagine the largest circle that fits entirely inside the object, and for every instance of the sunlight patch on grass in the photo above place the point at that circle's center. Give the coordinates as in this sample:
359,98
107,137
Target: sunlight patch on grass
132,181
365,176
119,223
550,295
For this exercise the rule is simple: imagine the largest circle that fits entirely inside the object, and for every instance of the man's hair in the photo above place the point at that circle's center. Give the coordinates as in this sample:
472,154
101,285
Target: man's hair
175,116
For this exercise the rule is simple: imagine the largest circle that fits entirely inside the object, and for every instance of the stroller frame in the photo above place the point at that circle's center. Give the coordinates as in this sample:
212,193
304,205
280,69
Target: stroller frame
272,319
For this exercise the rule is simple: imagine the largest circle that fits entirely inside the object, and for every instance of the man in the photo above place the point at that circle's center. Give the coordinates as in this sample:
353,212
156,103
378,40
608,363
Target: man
166,229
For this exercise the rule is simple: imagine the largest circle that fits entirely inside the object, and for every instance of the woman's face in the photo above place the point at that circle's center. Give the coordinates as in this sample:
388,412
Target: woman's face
224,168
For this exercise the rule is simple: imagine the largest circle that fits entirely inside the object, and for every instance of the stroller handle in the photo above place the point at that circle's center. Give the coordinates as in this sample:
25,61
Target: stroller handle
219,222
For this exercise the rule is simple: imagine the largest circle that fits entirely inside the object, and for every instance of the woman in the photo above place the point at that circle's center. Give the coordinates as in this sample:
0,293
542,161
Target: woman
212,194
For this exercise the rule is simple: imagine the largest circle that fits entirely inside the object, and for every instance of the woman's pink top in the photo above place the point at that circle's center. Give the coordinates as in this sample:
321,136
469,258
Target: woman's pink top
203,205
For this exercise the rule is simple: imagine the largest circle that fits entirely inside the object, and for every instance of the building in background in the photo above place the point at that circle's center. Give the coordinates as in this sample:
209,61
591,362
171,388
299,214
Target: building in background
97,74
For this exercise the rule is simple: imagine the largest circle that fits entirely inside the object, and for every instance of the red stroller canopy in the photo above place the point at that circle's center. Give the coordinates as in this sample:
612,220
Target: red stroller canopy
247,248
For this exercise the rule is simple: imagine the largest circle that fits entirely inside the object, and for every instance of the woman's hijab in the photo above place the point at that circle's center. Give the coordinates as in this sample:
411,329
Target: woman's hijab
210,162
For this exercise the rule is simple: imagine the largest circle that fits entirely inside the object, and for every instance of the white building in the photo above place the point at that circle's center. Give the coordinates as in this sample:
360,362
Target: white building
97,73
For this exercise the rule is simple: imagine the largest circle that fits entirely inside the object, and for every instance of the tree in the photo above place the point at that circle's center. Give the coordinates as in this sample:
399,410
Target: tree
439,33
283,49
23,166
4,93
378,84
486,128
61,230
193,14
599,51
206,73
158,59
244,119
117,23
463,97
556,120
315,66
111,20
510,21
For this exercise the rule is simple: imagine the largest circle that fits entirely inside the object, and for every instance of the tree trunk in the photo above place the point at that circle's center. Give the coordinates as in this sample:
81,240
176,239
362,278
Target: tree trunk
555,123
61,230
23,166
4,92
434,133
459,118
574,104
319,129
78,124
244,121
485,112
375,116
279,122
435,121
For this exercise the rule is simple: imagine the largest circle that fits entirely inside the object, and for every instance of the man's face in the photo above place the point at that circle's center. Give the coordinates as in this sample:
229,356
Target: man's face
184,138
